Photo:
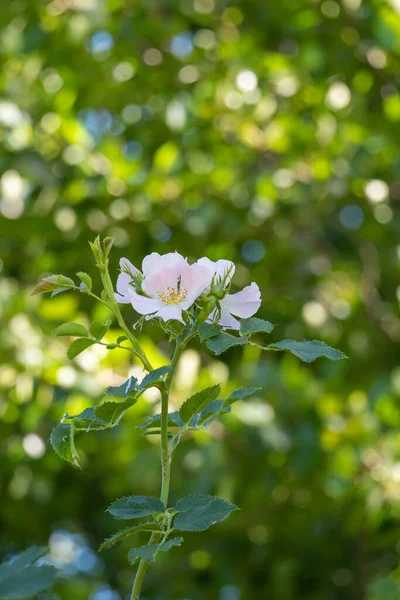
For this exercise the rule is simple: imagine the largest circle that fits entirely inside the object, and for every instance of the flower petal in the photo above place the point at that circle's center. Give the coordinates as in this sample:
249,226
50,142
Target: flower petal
159,281
143,305
170,312
155,262
244,304
226,319
220,268
194,279
126,265
123,284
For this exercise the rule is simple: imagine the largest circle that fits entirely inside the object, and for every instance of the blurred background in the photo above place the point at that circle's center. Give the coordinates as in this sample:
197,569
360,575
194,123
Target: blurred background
265,133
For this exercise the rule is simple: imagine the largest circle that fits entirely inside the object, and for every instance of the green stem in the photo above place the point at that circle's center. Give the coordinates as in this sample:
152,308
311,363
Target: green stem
166,457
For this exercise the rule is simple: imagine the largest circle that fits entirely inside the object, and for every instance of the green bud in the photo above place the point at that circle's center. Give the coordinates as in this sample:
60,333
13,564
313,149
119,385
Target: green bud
207,304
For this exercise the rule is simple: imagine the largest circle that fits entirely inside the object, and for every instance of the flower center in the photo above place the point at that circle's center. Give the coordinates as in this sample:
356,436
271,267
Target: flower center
173,295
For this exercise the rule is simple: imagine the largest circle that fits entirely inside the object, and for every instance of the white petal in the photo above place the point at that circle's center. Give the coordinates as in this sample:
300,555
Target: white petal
194,279
155,262
126,265
228,321
123,283
220,268
159,281
143,305
244,304
122,299
171,312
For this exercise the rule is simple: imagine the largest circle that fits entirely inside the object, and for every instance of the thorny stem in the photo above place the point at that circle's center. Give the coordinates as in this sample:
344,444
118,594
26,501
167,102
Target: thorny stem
166,456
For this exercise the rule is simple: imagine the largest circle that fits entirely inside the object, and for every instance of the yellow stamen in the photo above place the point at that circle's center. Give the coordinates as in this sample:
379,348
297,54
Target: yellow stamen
172,295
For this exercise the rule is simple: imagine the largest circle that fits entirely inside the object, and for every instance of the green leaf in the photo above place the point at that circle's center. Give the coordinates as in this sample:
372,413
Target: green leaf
148,553
122,338
198,402
113,411
151,526
198,512
308,350
98,330
223,342
133,507
240,394
209,414
123,390
74,329
62,440
27,582
174,420
208,330
79,346
153,377
255,325
19,561
86,280
53,283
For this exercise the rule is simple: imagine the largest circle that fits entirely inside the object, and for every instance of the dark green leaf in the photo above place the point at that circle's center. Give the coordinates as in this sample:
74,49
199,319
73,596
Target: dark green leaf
79,346
74,329
113,411
27,582
98,330
198,512
308,350
223,342
209,414
255,325
151,526
123,390
198,402
24,559
62,440
174,420
153,377
148,553
121,338
208,330
86,280
132,507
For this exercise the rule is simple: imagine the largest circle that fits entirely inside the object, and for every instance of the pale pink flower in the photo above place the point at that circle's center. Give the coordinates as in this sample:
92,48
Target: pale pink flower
243,304
169,284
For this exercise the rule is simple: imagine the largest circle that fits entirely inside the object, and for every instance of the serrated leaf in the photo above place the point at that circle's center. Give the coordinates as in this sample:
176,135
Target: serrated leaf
133,507
240,394
198,512
44,286
113,411
98,330
123,390
22,560
79,346
151,526
308,350
148,553
208,330
62,440
255,325
174,420
28,582
209,414
198,402
74,329
153,377
223,341
87,420
86,280
58,291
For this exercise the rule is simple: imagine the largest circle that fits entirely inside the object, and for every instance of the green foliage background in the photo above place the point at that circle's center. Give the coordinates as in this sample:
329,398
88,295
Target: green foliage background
250,131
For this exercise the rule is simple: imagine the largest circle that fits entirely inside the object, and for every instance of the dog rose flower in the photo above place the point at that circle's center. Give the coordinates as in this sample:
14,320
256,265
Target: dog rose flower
169,285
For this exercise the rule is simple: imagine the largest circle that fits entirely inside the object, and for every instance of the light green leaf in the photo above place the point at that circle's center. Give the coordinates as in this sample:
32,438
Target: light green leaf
86,280
208,330
113,411
53,283
153,377
223,342
122,338
79,346
74,329
133,507
308,350
148,553
62,440
98,330
198,402
198,512
151,526
240,394
123,390
255,325
27,582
